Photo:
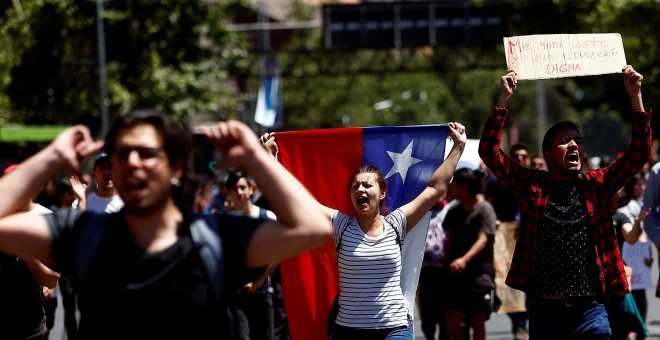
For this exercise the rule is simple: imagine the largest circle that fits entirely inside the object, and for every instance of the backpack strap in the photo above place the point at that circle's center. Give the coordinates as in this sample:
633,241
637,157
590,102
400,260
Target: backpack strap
263,214
398,239
203,230
341,234
206,236
90,236
398,236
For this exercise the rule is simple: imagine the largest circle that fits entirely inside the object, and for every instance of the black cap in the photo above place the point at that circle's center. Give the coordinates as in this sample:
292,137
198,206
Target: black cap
101,157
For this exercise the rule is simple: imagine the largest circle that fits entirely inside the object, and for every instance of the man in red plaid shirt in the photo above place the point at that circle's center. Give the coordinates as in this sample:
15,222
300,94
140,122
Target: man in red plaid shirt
566,258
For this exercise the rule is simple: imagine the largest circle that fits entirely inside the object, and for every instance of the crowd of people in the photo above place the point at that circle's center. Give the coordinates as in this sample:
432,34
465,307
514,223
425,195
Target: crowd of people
560,246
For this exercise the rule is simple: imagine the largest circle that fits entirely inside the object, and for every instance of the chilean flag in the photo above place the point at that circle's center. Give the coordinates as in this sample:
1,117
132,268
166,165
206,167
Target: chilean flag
324,161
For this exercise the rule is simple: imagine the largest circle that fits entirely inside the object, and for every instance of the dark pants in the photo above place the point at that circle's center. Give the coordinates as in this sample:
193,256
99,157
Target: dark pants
624,317
431,303
572,318
281,324
258,310
50,306
70,308
518,322
640,299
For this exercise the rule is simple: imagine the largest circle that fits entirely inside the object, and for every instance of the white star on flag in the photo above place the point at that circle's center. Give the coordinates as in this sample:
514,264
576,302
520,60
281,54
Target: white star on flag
402,162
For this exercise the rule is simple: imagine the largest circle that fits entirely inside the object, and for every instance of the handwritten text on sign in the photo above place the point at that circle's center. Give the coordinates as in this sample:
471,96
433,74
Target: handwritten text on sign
564,55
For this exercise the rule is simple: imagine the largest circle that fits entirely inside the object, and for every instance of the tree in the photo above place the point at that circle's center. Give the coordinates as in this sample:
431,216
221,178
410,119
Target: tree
171,55
338,88
177,56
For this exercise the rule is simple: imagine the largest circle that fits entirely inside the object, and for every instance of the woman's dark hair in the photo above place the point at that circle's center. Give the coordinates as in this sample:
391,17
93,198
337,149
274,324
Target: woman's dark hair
474,180
550,134
384,210
177,144
627,192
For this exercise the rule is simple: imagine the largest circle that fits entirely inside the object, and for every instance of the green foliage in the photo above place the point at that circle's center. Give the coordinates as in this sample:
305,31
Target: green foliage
179,57
172,55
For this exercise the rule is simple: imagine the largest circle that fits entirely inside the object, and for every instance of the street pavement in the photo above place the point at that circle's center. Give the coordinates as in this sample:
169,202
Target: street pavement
498,327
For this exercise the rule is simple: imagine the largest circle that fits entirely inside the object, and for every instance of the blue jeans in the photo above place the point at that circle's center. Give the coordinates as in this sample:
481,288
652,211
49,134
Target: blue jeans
396,333
573,318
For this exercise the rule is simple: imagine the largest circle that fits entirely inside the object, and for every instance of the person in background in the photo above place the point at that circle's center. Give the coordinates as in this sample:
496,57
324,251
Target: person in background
105,199
520,154
281,323
634,250
506,209
638,254
567,259
430,287
644,171
147,263
47,197
371,302
27,286
240,186
203,196
539,163
469,290
71,193
255,299
64,193
219,199
652,201
625,317
631,200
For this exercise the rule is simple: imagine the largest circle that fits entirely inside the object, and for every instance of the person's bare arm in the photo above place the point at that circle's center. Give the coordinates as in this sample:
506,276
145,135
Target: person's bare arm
509,83
253,286
44,275
633,83
459,264
80,190
632,231
439,181
27,236
301,224
64,154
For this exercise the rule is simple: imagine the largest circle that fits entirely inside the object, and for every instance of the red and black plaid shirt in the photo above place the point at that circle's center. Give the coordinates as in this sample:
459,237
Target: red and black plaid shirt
531,187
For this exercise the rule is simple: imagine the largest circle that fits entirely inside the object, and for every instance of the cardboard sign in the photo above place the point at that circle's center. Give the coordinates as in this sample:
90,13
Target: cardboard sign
564,55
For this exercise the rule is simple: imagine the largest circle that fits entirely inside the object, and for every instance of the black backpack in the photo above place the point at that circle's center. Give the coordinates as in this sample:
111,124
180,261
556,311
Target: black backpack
203,230
204,233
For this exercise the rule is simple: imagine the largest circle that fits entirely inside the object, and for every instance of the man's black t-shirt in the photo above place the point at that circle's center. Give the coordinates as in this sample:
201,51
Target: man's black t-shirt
129,293
464,228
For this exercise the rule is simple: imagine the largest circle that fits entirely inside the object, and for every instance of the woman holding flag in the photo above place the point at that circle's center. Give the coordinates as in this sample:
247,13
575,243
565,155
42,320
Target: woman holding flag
371,302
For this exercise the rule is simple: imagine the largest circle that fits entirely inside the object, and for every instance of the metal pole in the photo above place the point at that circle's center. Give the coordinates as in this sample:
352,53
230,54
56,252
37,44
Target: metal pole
102,67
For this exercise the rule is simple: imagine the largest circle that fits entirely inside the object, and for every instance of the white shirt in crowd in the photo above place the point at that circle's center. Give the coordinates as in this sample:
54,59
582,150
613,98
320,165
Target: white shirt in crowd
104,205
38,210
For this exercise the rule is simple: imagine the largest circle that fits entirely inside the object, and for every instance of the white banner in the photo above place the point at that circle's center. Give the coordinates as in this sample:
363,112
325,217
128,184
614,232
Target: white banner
564,55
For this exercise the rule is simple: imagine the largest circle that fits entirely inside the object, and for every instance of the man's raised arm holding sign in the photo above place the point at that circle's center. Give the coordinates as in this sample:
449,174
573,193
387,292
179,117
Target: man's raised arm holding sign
567,258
